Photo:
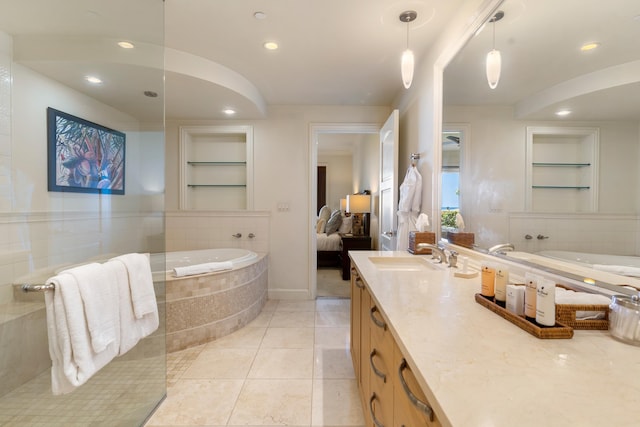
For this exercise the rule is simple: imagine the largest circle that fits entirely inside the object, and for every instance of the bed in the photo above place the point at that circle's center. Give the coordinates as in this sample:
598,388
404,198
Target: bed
329,228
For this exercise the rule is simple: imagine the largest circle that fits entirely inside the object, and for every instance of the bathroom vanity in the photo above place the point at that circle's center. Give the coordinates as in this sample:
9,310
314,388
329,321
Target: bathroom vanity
417,330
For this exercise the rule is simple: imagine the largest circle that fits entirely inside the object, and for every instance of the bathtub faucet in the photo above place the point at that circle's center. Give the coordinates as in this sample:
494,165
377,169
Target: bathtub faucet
436,251
501,248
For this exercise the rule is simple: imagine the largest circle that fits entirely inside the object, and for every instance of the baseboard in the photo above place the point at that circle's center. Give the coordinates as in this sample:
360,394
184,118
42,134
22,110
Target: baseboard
289,294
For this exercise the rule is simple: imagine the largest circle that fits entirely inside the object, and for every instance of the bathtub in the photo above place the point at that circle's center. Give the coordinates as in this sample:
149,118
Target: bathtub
620,264
205,307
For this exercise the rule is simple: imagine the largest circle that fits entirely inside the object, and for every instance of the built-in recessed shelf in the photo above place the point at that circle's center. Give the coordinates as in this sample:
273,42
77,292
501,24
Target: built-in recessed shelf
562,187
569,165
216,167
216,185
217,163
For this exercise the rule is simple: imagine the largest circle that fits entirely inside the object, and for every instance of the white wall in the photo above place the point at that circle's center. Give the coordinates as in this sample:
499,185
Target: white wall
339,177
282,175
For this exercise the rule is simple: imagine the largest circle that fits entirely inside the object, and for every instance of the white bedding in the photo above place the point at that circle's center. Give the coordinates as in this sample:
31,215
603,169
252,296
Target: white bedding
328,243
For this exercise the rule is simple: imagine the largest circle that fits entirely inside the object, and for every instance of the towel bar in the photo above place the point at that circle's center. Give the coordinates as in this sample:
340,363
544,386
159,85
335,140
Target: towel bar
38,288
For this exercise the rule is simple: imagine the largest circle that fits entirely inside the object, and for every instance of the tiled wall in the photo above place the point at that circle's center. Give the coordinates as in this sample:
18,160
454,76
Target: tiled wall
596,233
187,230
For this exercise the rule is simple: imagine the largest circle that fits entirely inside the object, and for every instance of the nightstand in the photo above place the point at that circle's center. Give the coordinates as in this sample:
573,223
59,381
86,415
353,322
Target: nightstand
352,243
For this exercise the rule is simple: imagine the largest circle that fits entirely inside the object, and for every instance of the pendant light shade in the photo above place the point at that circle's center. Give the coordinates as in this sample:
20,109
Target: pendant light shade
494,66
408,61
494,59
406,66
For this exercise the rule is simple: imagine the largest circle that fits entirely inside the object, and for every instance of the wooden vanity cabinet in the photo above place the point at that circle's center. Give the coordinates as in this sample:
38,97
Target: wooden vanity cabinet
389,392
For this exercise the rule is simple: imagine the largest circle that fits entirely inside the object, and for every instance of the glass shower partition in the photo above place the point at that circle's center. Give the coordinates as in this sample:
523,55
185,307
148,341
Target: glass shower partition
48,51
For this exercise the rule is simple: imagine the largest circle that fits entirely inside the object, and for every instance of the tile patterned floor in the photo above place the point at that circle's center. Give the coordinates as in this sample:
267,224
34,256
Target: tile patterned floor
291,366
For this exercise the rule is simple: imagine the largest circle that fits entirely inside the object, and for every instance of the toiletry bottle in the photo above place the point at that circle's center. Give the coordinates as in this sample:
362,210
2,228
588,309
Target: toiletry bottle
515,299
502,280
488,280
546,303
530,295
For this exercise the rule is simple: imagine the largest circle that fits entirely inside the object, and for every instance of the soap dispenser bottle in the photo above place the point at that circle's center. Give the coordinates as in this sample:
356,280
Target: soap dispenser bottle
530,296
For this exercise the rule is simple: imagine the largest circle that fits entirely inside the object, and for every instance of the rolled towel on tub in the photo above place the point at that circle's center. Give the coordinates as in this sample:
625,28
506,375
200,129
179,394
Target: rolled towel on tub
208,267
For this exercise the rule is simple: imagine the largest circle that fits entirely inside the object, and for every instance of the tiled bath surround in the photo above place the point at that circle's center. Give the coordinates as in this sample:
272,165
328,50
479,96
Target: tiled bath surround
206,307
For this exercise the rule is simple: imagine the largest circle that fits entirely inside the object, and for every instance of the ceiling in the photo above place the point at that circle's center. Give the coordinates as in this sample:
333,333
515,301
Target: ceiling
210,54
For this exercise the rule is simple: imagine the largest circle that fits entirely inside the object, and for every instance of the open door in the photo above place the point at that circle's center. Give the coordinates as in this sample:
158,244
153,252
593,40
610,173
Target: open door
388,177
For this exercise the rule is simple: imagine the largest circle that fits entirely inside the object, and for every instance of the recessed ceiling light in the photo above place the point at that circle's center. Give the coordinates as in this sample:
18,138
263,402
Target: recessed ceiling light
270,45
589,46
260,15
229,111
126,45
93,79
562,113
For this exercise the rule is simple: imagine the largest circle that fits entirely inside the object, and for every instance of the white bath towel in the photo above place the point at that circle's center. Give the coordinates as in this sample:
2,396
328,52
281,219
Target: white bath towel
208,267
132,329
100,299
143,296
623,270
72,356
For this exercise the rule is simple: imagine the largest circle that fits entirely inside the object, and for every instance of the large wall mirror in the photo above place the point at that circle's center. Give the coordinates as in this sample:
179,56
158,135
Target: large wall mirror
554,149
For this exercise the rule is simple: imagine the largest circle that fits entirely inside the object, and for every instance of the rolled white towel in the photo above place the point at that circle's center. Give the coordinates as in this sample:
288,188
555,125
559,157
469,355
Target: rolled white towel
208,267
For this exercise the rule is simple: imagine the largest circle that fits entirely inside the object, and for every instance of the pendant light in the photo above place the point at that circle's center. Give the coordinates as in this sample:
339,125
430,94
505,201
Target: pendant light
407,62
494,59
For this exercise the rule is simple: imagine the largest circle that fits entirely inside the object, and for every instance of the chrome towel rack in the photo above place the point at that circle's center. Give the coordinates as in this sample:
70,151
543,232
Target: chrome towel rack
27,287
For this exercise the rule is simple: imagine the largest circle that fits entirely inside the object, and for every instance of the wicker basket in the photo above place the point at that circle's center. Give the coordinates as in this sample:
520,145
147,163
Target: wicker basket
566,313
416,237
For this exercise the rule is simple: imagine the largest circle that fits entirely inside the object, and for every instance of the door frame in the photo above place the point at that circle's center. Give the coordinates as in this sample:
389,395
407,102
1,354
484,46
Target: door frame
315,130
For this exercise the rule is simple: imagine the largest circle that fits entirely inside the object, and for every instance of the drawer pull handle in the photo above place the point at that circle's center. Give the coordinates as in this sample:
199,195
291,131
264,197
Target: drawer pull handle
378,323
358,282
373,415
422,406
376,371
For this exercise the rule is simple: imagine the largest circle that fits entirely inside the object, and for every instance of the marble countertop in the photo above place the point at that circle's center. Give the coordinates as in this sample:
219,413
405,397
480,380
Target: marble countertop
478,369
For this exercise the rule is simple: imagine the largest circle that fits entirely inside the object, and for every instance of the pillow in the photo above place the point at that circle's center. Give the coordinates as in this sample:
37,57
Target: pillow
346,226
325,213
320,225
334,223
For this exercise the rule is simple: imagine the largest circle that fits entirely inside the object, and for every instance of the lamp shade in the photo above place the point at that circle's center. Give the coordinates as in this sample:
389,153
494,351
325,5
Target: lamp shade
494,65
406,67
358,203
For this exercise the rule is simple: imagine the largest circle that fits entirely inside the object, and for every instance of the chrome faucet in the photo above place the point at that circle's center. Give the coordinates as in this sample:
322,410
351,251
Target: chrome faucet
501,248
436,251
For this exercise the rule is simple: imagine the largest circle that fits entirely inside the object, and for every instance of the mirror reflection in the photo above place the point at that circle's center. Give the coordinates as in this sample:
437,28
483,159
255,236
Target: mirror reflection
554,147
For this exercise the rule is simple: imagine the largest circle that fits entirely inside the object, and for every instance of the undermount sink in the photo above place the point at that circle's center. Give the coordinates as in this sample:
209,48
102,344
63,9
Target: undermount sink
403,263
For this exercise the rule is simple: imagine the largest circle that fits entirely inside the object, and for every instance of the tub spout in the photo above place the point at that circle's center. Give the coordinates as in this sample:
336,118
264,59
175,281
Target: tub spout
436,251
501,248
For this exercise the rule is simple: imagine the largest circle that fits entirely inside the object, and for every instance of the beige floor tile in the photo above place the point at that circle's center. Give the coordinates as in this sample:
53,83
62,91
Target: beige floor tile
282,363
221,363
273,403
296,305
332,337
332,363
336,403
270,305
247,337
293,319
190,403
332,318
333,304
262,320
288,338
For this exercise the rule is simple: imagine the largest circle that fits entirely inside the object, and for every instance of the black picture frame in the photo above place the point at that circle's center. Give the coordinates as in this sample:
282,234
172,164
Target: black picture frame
84,157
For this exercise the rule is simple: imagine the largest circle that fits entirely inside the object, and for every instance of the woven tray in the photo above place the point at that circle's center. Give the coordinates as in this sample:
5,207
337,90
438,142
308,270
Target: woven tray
559,331
566,313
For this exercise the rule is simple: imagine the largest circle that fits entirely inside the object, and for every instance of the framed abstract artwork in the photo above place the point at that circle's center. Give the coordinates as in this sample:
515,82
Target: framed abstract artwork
84,157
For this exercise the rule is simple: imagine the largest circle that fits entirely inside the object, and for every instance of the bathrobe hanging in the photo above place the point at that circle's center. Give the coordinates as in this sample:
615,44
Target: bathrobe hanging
408,207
